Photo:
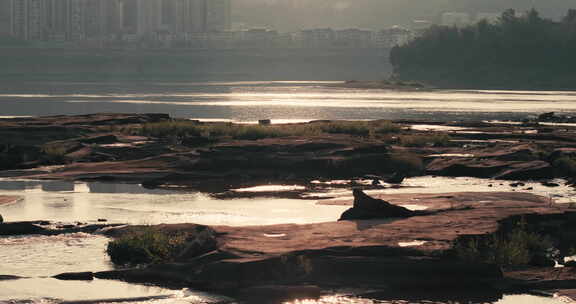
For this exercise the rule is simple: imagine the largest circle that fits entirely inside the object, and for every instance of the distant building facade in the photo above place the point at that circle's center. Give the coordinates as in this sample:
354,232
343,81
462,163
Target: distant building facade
70,20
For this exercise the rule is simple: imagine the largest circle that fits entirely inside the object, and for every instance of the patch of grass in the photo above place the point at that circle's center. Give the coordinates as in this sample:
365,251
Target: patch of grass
54,152
183,129
407,163
145,246
565,166
171,129
515,247
435,140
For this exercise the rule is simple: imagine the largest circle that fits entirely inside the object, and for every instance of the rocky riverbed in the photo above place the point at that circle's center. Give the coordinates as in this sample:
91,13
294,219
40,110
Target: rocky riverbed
382,252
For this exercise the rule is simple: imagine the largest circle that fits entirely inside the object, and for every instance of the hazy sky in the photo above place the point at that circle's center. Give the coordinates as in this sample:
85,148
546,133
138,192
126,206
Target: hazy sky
287,15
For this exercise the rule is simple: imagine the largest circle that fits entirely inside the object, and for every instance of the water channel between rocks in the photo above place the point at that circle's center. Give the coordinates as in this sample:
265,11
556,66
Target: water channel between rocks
37,258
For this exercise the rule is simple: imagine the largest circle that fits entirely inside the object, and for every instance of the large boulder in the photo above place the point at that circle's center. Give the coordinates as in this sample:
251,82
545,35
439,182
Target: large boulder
366,207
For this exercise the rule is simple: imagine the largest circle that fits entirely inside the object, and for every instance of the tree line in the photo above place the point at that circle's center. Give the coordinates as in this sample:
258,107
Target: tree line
516,48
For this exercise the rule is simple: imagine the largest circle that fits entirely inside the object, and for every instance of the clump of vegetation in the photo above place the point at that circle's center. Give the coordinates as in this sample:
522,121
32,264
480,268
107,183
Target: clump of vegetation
435,140
517,246
516,49
183,129
565,166
145,246
54,152
407,163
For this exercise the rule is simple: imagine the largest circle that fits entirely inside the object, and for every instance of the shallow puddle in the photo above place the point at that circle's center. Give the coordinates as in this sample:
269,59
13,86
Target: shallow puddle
506,299
562,194
132,204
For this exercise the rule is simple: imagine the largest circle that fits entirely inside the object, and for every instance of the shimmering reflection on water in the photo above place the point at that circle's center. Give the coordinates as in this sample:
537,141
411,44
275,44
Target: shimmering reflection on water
507,299
250,101
126,203
561,194
32,256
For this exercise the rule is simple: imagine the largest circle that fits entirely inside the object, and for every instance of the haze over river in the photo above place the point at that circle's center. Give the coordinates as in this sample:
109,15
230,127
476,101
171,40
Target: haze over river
277,100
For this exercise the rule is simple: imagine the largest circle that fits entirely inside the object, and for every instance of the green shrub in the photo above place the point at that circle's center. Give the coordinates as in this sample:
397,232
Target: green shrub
515,247
171,129
146,245
346,127
54,153
407,163
182,129
565,166
436,140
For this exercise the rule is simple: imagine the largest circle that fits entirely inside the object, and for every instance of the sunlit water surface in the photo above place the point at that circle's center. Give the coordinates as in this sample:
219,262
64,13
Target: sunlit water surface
39,257
288,100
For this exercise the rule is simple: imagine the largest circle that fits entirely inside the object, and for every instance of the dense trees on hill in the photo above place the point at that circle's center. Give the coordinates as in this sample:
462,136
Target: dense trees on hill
517,51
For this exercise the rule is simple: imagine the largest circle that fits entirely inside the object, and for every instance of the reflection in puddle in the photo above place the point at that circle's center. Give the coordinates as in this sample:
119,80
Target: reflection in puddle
32,256
451,155
561,194
436,128
411,244
507,299
132,204
47,290
274,235
271,188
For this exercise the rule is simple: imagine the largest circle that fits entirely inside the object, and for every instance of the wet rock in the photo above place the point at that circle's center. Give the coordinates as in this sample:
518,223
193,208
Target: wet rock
9,277
396,178
541,261
75,276
366,207
527,171
21,228
549,116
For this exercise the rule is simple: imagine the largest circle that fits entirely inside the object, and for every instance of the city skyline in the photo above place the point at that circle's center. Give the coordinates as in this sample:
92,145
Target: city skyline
70,20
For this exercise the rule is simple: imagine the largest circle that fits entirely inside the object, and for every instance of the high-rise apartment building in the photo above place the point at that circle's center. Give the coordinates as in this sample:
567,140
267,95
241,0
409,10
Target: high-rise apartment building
28,19
189,16
5,18
71,20
218,15
149,16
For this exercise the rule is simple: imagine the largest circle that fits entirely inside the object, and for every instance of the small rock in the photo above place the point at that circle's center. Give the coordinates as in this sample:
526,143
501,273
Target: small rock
102,220
571,264
264,122
550,184
517,185
529,188
8,277
1,219
75,276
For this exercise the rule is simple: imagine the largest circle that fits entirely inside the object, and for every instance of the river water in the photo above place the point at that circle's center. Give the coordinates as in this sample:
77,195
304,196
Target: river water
287,100
37,258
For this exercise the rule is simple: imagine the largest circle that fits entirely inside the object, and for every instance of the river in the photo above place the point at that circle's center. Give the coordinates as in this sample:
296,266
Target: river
277,100
38,258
